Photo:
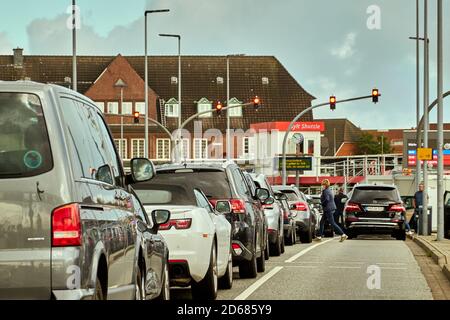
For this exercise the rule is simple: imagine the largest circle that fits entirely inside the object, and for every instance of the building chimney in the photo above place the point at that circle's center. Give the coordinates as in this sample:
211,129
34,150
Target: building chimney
18,57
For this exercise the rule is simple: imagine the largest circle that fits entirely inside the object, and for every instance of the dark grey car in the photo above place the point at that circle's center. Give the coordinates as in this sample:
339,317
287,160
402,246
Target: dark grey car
67,222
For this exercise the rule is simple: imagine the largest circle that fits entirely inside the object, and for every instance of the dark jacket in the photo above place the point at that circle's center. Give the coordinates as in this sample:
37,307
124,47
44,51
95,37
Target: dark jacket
327,200
338,202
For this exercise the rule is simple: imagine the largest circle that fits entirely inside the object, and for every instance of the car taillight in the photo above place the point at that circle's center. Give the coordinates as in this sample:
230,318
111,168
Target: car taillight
237,249
300,206
66,226
179,224
352,207
238,206
397,208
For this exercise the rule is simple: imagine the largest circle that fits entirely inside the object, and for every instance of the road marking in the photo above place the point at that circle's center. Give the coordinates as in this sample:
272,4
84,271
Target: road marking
244,295
391,263
298,255
392,268
297,266
343,267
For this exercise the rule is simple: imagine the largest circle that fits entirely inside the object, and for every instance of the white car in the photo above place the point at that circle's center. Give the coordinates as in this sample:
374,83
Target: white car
198,236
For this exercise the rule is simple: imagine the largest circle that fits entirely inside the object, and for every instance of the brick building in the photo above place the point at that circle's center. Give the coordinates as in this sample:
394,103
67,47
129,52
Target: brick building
203,83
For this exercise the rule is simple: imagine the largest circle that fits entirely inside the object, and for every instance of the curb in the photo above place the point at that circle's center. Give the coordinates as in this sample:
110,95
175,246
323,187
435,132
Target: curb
438,257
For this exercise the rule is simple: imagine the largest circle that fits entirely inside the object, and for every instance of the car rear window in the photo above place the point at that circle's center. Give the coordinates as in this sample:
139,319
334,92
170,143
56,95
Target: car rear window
163,194
292,196
24,144
373,195
213,183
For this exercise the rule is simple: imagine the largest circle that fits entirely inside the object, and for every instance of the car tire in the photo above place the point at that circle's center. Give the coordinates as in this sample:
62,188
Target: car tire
266,250
290,240
226,282
248,269
261,262
282,244
207,288
98,293
275,249
165,289
400,235
139,284
306,236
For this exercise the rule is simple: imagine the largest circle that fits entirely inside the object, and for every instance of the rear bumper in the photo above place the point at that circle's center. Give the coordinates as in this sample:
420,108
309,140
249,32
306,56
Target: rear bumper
243,235
374,226
179,273
244,255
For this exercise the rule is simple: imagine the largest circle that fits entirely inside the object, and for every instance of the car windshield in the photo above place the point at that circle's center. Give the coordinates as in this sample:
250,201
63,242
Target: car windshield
24,143
375,195
214,183
164,194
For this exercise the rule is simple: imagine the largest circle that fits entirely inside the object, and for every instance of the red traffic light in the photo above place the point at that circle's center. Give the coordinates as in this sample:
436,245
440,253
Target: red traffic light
333,103
375,95
256,103
219,107
136,116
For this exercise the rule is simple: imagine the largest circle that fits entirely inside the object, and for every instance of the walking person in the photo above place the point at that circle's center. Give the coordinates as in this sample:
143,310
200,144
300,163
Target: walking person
339,213
417,205
329,207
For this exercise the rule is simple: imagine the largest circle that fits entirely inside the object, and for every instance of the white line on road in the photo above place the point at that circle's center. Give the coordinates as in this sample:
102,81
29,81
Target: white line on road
298,255
244,295
344,267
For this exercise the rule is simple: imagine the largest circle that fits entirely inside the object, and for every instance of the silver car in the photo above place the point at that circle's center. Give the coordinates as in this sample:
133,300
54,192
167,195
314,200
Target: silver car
68,225
304,220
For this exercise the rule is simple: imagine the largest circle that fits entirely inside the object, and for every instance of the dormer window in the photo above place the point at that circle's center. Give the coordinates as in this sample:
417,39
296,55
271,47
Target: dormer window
171,108
204,105
235,112
219,80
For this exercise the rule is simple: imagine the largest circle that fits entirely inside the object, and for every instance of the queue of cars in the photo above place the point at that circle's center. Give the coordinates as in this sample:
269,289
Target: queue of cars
74,225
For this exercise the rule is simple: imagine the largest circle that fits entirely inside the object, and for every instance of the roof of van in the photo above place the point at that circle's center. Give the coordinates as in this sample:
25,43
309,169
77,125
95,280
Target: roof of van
198,165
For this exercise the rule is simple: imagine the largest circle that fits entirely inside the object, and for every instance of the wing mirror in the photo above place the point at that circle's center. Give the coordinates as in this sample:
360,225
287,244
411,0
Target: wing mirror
281,196
142,170
269,201
223,207
262,194
160,217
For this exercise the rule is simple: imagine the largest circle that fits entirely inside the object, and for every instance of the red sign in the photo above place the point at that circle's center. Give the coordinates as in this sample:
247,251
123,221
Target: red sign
283,126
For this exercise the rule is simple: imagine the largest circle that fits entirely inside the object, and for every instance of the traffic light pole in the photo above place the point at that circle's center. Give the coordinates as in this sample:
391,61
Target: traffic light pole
284,176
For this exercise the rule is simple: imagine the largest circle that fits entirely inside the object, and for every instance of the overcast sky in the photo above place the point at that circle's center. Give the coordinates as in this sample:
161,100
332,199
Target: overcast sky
325,44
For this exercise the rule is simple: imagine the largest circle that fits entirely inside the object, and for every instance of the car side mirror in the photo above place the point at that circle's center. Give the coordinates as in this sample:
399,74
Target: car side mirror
262,194
269,201
104,174
223,207
142,170
292,206
281,196
160,217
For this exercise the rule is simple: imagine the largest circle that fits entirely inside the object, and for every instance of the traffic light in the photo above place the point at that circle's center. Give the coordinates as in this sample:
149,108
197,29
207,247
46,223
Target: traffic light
332,103
219,107
136,117
256,103
375,95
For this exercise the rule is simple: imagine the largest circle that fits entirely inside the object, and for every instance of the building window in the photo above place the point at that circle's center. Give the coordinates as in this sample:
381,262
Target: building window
235,112
172,108
113,107
200,148
101,106
310,146
137,148
163,149
121,145
204,105
140,107
246,146
127,108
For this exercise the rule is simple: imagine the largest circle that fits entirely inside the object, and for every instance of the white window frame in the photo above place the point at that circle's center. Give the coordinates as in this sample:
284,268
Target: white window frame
235,112
100,105
122,148
129,107
140,107
140,152
172,108
112,104
166,148
185,150
204,105
204,152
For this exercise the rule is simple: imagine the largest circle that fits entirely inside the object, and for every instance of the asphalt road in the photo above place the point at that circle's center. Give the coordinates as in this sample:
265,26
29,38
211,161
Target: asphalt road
333,270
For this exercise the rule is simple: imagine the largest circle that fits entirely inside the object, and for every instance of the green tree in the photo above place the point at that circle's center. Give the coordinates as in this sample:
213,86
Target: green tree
368,144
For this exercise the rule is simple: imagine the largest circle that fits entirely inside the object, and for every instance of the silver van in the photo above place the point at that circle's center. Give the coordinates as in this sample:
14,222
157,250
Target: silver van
67,218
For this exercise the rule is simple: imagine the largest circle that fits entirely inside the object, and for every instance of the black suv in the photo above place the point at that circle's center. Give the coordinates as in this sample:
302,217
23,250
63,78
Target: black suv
225,181
375,209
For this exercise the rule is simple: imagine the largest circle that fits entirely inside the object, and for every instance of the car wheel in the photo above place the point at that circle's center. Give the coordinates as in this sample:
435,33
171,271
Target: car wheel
165,289
226,282
306,236
401,235
98,293
266,249
351,235
248,269
275,249
261,263
207,288
139,284
289,240
282,244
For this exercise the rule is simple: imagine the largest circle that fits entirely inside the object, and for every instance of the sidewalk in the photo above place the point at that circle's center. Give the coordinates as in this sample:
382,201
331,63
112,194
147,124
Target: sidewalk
438,250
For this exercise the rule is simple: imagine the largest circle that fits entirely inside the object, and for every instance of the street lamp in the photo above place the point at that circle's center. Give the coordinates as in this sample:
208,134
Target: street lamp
121,84
74,46
147,12
440,125
178,141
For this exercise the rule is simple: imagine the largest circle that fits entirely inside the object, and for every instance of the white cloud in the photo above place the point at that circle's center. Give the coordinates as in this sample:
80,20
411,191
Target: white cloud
347,49
5,44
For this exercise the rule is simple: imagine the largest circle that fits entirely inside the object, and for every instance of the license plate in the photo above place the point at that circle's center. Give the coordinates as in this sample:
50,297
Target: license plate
376,209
